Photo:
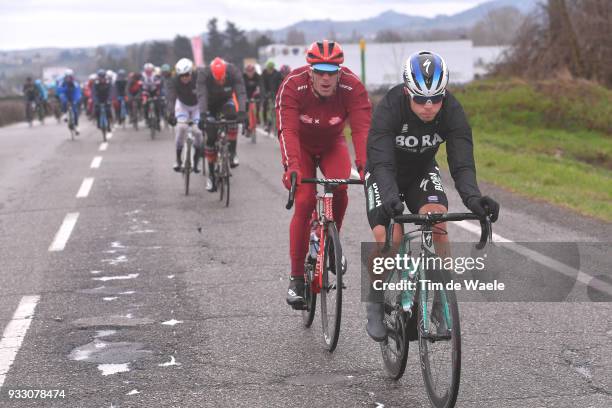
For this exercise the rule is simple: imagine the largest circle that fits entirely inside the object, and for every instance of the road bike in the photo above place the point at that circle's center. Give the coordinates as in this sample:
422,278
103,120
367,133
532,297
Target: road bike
122,111
271,115
30,109
429,313
187,165
222,165
323,272
103,122
251,125
134,112
71,120
40,111
55,107
150,103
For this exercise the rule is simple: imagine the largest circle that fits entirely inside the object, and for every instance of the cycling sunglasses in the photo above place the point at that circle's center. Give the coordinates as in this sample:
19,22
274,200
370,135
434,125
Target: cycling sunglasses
321,73
423,100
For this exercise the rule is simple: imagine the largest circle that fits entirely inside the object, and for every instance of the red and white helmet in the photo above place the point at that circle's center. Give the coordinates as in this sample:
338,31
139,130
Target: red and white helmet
325,55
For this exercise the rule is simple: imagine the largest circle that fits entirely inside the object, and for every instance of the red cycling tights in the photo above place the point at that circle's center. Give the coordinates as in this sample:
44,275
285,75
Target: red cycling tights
334,162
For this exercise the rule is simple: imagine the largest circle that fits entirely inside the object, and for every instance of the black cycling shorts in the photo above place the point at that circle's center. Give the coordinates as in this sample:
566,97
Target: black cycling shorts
427,188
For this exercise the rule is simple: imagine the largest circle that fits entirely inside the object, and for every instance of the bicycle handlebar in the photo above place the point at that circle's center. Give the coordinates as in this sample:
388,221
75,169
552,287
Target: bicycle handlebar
486,229
221,122
292,191
330,181
315,181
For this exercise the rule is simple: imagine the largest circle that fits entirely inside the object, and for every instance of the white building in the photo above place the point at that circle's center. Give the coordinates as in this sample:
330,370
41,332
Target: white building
384,61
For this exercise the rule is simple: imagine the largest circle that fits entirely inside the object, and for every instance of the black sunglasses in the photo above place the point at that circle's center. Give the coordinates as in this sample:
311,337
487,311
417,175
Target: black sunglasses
422,100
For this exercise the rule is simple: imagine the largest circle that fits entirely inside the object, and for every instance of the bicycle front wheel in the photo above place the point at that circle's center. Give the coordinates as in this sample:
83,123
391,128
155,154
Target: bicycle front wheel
395,347
331,288
226,181
439,340
187,168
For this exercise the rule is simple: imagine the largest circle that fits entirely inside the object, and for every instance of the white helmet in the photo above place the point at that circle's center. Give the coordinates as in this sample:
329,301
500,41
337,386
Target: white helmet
183,66
148,67
425,74
69,72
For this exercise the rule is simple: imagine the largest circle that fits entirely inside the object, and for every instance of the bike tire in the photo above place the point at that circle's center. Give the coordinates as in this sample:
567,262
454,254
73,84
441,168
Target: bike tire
331,289
395,347
310,297
226,180
71,123
446,395
220,185
187,168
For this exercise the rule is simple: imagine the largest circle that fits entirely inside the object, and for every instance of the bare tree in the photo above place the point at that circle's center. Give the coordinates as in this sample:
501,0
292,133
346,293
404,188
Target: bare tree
498,27
569,37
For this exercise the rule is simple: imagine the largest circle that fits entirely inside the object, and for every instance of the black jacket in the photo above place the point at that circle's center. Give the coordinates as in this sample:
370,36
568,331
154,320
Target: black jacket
400,145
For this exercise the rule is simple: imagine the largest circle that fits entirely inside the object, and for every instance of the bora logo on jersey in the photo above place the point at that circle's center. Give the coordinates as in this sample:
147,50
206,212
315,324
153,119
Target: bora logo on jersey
413,141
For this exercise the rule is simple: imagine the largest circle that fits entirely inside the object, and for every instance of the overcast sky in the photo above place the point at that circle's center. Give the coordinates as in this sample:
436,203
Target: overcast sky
84,23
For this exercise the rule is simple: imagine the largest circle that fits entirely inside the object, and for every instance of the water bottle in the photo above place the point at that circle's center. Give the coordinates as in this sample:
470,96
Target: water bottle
313,249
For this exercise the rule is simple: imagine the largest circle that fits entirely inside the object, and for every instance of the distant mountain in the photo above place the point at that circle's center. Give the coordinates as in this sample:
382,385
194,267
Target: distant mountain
391,20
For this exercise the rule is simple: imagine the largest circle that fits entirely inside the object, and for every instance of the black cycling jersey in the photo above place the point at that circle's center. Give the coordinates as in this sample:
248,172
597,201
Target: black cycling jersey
101,91
120,87
251,84
270,82
210,93
30,92
401,146
186,93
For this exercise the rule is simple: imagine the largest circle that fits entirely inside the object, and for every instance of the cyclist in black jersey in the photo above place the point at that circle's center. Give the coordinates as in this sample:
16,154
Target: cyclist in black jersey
408,126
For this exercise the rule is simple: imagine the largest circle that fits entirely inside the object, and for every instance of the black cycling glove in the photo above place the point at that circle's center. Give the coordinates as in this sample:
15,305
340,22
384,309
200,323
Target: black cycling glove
483,206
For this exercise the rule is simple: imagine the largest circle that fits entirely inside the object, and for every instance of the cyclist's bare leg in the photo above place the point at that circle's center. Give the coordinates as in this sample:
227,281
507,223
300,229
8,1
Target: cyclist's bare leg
440,235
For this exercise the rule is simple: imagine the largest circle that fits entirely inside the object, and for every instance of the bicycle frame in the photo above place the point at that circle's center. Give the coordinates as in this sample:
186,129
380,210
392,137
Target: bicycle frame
427,250
325,215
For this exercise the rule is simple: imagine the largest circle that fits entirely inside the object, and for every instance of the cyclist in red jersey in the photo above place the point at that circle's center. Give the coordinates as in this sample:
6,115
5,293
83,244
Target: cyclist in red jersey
313,104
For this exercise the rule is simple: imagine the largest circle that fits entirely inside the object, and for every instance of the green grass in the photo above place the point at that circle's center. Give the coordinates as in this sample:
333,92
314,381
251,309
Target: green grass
549,141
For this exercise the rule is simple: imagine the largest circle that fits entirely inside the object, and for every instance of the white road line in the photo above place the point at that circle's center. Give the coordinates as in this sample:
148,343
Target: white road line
85,187
95,163
63,234
14,333
103,146
549,262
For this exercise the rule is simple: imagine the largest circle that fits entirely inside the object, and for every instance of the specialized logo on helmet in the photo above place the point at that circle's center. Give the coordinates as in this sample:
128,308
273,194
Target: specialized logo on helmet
426,64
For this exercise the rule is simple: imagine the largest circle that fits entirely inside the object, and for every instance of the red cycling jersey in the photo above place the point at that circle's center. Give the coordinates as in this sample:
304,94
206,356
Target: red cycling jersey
304,118
313,127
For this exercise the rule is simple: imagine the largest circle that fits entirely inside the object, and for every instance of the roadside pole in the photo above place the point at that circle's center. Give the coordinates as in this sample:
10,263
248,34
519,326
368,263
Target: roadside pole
363,69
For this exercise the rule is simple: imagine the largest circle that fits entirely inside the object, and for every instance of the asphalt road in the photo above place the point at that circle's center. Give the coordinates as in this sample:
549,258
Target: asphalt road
163,300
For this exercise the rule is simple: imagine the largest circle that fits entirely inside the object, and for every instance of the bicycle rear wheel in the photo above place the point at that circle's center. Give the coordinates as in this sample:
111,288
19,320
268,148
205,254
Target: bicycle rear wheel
331,288
439,341
310,298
